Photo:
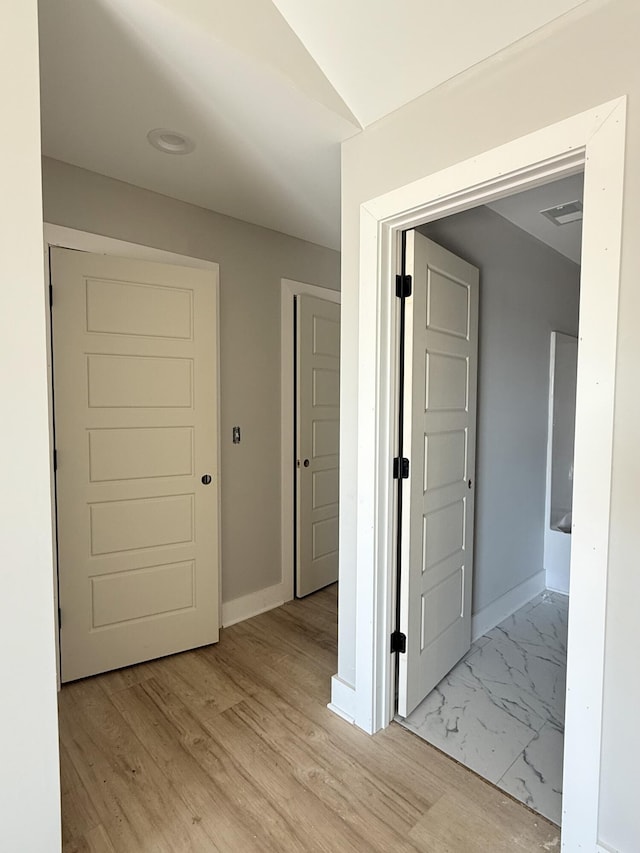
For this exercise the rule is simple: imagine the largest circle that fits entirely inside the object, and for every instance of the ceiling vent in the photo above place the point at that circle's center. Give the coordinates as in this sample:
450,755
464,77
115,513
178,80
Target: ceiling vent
562,214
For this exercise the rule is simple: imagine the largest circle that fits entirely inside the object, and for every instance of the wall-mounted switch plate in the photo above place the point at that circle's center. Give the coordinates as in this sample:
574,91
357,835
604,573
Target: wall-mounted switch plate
236,435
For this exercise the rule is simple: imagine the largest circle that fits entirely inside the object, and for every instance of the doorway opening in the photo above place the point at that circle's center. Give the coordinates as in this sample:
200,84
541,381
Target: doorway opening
483,585
310,388
593,141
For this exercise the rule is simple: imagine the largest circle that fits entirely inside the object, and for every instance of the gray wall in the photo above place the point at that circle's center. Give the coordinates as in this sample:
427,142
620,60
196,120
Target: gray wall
527,290
252,262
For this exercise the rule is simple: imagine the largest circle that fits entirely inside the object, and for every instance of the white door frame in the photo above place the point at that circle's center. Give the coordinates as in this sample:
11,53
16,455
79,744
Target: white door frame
83,241
289,289
593,140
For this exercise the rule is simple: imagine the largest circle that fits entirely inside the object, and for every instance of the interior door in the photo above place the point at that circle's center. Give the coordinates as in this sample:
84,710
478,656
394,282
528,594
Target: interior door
135,400
438,498
318,427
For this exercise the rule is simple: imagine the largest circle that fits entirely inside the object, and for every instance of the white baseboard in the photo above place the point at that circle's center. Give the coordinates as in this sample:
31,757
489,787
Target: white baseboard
239,609
551,588
343,699
494,613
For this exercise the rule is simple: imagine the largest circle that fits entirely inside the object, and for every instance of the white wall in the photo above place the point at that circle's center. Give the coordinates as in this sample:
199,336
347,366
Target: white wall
252,261
29,789
526,291
586,58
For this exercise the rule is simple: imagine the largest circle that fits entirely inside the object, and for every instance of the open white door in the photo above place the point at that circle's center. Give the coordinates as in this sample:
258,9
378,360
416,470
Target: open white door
318,427
135,396
438,499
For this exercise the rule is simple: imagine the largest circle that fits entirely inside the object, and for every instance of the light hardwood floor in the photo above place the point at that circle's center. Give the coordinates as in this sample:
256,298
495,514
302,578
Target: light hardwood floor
231,748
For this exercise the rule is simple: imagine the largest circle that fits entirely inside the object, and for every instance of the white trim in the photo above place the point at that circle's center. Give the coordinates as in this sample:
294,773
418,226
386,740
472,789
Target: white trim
84,241
493,614
594,140
340,713
342,699
596,382
290,289
551,588
246,606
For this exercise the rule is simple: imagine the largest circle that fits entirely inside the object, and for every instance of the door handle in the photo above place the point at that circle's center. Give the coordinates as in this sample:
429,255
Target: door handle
206,479
306,463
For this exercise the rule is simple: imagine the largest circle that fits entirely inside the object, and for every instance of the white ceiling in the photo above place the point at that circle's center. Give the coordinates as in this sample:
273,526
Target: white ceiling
524,211
230,75
380,55
240,80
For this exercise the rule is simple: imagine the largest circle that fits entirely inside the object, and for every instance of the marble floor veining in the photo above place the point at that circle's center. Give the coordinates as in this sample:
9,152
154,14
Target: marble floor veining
500,711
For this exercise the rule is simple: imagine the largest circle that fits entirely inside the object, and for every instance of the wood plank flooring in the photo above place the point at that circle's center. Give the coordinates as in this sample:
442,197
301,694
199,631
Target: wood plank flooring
231,748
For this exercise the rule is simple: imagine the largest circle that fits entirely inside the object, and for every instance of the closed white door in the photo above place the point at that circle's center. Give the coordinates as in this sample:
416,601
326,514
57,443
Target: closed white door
318,427
135,399
438,498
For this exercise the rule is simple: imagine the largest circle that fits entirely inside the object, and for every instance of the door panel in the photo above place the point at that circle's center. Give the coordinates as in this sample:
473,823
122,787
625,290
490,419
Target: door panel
134,382
135,387
318,428
139,453
438,506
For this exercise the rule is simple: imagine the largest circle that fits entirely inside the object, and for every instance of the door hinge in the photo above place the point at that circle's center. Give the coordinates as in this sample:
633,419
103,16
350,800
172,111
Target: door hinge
403,286
59,618
55,459
50,295
400,468
398,642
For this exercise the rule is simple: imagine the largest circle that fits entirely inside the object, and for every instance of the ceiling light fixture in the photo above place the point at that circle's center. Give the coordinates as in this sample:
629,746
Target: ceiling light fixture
170,141
562,214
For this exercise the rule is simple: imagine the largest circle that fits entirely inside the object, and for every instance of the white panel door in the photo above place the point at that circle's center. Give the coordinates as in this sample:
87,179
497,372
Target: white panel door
318,427
438,498
135,399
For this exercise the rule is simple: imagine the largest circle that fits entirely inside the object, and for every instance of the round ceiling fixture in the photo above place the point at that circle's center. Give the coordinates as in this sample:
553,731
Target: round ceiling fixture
170,141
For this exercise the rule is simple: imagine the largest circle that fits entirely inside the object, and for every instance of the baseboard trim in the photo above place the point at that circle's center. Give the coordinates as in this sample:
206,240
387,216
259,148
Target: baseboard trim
246,606
343,699
552,588
494,613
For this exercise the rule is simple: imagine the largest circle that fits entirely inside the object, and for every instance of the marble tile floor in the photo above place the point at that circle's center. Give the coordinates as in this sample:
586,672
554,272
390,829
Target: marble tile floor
500,711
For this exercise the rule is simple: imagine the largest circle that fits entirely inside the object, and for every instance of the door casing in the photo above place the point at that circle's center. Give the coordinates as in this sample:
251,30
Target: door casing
594,141
70,238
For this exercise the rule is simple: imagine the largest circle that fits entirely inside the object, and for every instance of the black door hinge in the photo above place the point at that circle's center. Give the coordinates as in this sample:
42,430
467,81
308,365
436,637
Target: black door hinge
400,468
403,286
398,642
59,618
55,459
50,295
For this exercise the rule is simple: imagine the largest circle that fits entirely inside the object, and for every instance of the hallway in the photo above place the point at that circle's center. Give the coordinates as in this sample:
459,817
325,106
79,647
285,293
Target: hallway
231,748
